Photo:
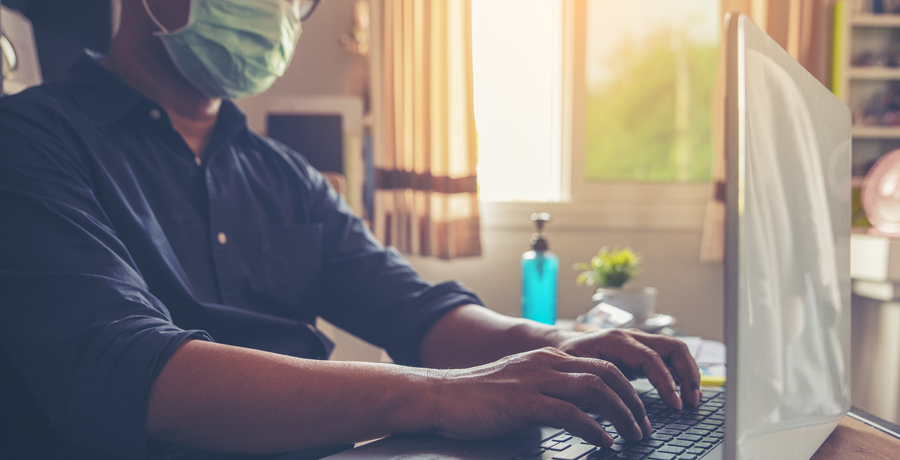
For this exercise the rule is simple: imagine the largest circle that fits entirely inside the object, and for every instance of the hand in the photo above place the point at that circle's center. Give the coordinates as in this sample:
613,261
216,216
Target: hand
663,360
540,387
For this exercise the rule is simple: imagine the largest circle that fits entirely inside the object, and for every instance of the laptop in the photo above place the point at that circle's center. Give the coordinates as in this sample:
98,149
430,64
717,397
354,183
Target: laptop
787,287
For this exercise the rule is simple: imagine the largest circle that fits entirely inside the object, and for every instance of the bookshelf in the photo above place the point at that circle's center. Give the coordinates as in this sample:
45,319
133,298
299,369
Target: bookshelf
873,73
875,20
866,64
875,132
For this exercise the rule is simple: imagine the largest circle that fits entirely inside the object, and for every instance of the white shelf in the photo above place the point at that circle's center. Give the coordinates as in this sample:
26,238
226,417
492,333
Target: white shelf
875,132
875,20
874,257
873,73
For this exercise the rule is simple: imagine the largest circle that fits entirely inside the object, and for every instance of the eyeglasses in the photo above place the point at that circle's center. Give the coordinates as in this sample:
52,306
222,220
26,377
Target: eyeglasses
305,8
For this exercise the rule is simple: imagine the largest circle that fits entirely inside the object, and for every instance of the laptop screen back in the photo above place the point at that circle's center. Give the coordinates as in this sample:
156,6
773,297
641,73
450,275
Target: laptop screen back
787,252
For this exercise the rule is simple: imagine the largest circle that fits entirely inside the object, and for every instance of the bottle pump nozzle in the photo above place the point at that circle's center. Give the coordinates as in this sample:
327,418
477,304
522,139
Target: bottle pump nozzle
538,242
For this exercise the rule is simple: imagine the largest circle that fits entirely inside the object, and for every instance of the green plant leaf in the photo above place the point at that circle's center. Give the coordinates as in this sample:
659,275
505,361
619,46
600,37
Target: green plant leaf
609,268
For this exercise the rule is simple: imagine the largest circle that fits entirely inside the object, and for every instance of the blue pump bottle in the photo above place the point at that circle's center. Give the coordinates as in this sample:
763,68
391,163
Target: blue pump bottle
539,276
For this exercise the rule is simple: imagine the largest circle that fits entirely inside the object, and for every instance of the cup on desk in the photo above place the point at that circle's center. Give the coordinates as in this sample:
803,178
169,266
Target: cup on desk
639,301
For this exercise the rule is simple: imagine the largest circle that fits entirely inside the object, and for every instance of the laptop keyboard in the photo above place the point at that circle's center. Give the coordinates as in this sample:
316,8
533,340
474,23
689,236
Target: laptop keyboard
684,435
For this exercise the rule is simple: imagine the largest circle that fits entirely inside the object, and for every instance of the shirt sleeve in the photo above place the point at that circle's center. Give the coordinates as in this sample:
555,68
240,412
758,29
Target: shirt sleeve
77,320
372,291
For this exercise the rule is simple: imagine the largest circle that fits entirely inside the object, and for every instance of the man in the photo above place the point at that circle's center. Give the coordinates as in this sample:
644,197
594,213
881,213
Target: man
142,220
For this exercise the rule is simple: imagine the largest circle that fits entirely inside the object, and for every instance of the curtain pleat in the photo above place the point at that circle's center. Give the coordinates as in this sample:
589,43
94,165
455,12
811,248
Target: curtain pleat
800,27
426,187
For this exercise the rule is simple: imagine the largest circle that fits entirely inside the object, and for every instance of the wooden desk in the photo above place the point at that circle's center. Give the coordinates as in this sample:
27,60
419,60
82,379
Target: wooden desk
853,439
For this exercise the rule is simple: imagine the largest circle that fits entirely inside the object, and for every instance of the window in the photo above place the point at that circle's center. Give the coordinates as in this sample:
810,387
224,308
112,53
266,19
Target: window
584,98
517,74
650,67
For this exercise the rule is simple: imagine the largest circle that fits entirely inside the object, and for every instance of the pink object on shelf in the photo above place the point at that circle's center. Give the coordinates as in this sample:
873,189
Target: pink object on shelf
880,194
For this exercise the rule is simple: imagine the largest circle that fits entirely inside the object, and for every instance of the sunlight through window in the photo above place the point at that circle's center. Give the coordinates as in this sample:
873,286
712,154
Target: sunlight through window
650,68
517,48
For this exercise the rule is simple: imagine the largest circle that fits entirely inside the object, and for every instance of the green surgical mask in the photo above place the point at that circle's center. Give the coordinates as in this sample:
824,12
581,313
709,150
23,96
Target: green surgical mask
233,48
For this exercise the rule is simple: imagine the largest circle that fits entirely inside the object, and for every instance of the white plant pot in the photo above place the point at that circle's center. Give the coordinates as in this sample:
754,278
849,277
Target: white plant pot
639,301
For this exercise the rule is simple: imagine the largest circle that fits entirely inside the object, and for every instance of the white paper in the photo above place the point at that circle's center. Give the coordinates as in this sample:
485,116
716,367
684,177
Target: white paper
711,353
693,344
705,352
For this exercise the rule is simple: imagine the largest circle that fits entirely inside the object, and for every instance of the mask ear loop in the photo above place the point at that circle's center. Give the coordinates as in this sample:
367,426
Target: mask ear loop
162,28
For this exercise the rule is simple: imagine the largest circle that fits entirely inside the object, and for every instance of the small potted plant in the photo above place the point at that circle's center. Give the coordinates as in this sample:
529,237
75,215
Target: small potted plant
608,272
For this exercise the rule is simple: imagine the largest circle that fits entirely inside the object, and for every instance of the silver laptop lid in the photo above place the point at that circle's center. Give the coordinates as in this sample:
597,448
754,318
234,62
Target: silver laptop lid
787,276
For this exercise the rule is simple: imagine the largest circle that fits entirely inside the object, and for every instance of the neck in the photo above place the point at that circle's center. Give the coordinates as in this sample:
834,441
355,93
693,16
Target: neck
147,67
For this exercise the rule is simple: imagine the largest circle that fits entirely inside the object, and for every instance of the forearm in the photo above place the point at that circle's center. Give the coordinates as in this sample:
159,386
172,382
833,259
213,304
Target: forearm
225,398
471,335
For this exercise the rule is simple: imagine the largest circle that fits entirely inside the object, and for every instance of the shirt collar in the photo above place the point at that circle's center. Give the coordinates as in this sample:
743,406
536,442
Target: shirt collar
101,94
105,97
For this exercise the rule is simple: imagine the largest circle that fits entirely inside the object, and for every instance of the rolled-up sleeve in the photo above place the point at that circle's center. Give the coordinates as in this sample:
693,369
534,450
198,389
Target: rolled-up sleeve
372,291
76,317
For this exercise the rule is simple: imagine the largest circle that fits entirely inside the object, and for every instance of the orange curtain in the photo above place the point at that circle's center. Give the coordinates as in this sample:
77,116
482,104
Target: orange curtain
803,28
425,142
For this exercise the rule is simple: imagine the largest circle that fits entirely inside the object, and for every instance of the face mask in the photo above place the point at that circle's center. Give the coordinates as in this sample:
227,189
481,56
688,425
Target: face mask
233,48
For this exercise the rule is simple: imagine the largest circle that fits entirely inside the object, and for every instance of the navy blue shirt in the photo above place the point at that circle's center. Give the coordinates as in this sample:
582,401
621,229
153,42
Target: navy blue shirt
116,247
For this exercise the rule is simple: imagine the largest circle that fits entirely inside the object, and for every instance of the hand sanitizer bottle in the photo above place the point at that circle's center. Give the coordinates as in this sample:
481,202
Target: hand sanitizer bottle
539,272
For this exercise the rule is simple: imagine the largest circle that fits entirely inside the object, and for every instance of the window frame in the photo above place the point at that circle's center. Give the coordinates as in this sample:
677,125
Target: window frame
574,101
614,205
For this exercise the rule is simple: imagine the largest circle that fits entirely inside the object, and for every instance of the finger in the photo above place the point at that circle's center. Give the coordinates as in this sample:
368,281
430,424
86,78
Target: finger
677,354
651,364
589,390
614,409
616,380
561,414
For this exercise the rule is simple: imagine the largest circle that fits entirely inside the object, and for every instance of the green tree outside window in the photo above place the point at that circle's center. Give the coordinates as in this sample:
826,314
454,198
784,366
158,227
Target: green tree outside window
651,120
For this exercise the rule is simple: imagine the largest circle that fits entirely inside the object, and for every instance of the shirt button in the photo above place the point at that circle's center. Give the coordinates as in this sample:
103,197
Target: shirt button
155,115
222,238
